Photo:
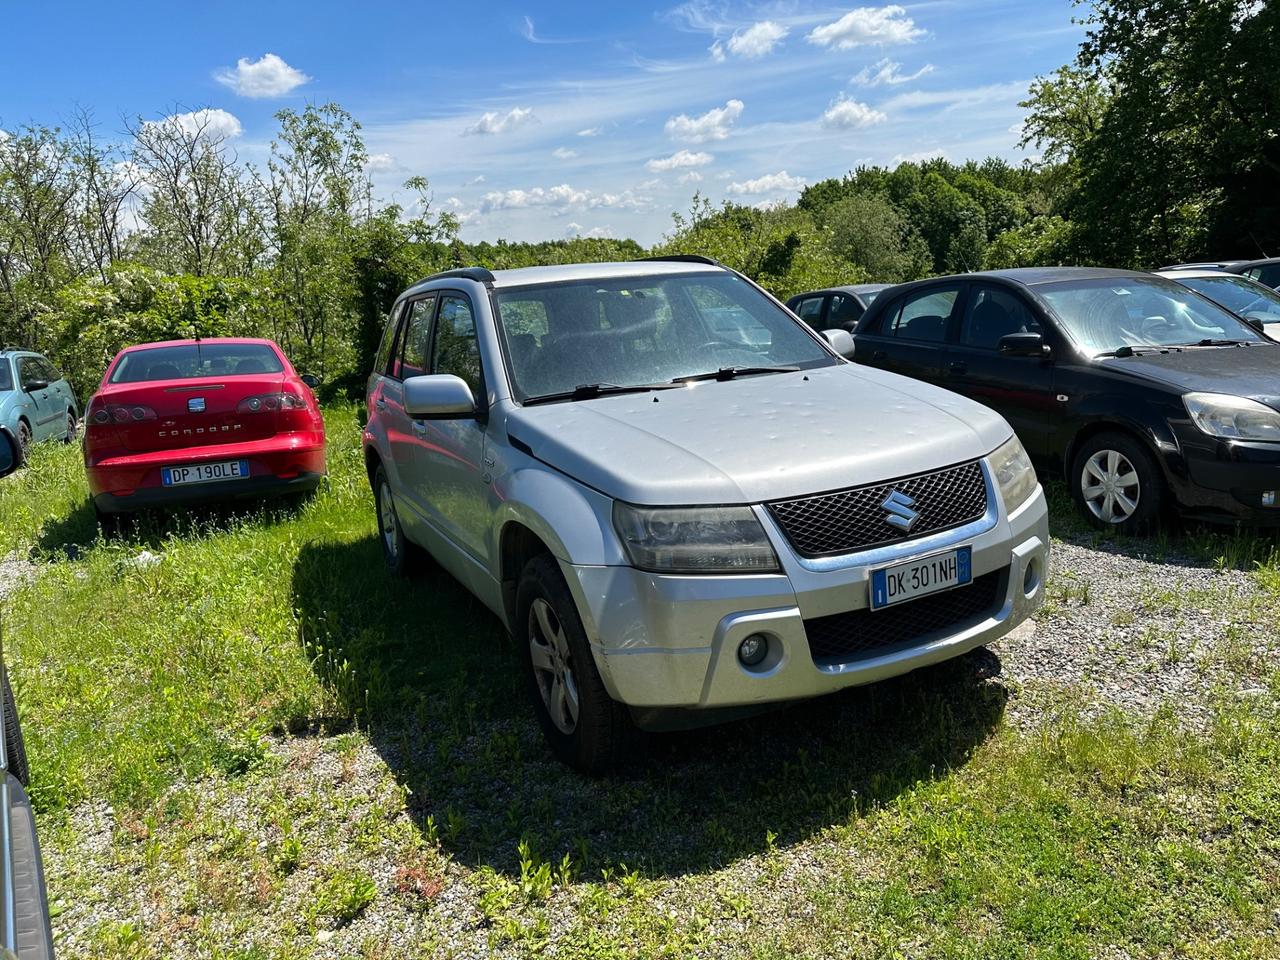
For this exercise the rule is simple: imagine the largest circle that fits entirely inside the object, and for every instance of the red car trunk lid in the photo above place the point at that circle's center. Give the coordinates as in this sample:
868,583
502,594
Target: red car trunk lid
194,412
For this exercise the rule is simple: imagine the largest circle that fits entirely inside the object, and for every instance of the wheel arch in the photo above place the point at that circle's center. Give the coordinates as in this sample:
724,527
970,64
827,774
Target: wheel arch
1096,427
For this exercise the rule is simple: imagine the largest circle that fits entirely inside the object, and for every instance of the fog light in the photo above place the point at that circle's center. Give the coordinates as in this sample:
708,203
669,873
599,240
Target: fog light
1031,577
753,649
1268,498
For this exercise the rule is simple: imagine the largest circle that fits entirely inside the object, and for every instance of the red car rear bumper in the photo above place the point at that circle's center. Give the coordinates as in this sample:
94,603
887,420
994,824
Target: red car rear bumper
286,463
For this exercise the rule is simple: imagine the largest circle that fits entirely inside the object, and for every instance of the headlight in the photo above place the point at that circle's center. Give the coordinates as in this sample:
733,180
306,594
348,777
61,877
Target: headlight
694,539
1014,474
1235,418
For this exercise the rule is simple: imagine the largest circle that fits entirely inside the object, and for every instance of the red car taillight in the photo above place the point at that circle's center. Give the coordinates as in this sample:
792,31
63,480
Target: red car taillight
102,414
271,403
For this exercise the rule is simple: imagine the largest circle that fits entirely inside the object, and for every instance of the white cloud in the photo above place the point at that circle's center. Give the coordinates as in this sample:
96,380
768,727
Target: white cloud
560,198
564,153
846,114
757,40
919,156
595,233
381,162
478,178
209,124
678,160
268,77
591,132
693,176
865,26
712,125
717,51
770,183
494,122
889,72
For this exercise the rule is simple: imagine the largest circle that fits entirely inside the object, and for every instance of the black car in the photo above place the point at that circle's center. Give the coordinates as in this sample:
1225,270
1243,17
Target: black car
1265,271
838,308
1148,395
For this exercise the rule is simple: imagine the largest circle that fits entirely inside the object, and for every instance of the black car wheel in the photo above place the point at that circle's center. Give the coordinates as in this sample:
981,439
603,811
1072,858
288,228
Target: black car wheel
584,726
15,747
71,428
24,440
1116,483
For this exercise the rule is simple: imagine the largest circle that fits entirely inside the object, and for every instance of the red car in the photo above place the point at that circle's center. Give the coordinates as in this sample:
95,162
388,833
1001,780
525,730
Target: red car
186,421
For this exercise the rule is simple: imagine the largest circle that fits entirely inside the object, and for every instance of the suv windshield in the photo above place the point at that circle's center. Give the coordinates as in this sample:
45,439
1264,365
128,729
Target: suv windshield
1245,297
1107,315
644,330
196,360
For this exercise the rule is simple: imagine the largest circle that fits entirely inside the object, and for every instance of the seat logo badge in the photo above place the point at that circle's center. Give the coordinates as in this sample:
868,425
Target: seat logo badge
195,405
899,513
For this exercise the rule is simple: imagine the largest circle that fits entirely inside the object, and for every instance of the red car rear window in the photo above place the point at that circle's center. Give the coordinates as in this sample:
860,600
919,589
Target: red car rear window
196,360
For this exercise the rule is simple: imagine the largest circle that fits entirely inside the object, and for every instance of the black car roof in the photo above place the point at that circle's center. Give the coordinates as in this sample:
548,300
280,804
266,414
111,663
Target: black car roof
850,288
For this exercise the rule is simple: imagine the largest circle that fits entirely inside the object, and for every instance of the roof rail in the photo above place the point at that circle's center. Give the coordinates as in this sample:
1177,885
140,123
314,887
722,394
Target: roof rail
478,274
683,258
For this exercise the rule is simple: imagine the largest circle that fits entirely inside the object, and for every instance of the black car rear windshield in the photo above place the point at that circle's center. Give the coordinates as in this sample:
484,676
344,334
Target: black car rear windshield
642,330
1105,315
196,360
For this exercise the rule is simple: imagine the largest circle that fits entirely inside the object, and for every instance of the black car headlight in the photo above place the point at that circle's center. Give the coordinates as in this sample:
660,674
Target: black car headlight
1233,418
694,539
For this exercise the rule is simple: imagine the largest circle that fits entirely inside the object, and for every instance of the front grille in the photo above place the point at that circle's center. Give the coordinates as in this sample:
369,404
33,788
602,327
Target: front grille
855,519
849,636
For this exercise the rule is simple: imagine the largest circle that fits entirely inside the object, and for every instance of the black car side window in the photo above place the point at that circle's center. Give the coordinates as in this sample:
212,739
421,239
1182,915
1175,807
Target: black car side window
844,313
994,313
810,310
923,316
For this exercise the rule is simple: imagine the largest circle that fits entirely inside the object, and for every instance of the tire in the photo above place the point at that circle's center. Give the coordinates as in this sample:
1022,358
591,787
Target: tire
70,438
599,734
402,557
24,440
109,523
1116,483
15,746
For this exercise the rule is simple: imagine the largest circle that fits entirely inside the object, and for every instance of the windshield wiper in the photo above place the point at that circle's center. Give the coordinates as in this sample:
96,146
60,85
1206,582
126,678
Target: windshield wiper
1211,342
1140,350
729,373
586,391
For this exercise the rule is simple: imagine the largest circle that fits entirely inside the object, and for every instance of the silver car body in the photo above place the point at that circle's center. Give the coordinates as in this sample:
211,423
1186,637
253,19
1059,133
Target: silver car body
463,489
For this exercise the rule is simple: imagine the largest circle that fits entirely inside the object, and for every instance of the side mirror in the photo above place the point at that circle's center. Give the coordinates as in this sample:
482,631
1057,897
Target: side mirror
31,386
440,396
310,379
841,342
8,454
1022,345
1258,322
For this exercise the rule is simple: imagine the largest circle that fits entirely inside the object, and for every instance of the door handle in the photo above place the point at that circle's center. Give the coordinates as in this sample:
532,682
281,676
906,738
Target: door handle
419,426
879,355
380,404
958,368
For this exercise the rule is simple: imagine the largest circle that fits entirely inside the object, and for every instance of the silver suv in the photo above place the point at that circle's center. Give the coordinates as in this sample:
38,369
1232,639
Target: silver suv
682,502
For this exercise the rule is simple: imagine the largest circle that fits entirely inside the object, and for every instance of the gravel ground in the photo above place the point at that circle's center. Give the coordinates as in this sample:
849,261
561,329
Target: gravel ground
1129,628
13,573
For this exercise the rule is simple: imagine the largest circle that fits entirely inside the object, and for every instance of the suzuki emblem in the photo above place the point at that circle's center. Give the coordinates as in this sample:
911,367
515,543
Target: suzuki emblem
900,515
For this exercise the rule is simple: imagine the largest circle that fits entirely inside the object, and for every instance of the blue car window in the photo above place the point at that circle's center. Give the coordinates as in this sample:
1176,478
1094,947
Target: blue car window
6,376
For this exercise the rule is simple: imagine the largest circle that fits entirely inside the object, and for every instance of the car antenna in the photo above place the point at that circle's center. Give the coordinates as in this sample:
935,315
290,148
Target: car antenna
1265,255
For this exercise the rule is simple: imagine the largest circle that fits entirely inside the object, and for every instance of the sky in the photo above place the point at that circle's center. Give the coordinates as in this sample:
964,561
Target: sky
541,121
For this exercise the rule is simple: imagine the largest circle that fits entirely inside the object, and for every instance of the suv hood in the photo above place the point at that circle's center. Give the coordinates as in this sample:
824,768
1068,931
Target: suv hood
759,438
1237,371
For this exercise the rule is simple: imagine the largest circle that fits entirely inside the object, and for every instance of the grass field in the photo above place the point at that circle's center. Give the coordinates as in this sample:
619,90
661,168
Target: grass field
247,742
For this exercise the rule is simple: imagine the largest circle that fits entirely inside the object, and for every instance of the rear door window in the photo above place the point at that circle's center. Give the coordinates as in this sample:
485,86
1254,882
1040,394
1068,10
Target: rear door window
382,359
924,316
6,375
810,310
845,311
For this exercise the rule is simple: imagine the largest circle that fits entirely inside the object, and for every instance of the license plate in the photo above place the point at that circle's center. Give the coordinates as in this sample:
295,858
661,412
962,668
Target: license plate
205,473
917,578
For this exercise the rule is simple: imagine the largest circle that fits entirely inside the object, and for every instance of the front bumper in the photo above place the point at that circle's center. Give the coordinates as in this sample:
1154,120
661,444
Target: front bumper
671,642
1225,480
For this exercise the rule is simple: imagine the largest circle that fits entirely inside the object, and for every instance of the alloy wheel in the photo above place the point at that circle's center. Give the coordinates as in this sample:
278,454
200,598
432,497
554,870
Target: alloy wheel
552,666
388,522
1110,487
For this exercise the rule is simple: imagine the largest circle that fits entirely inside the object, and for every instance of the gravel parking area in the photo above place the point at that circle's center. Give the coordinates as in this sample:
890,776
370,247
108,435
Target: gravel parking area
1129,626
13,573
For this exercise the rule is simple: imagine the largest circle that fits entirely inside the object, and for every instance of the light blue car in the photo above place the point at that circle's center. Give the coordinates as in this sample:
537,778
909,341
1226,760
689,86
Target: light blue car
36,401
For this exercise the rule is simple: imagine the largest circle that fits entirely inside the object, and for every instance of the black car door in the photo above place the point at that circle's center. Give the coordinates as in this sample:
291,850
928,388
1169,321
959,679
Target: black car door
910,336
1018,388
